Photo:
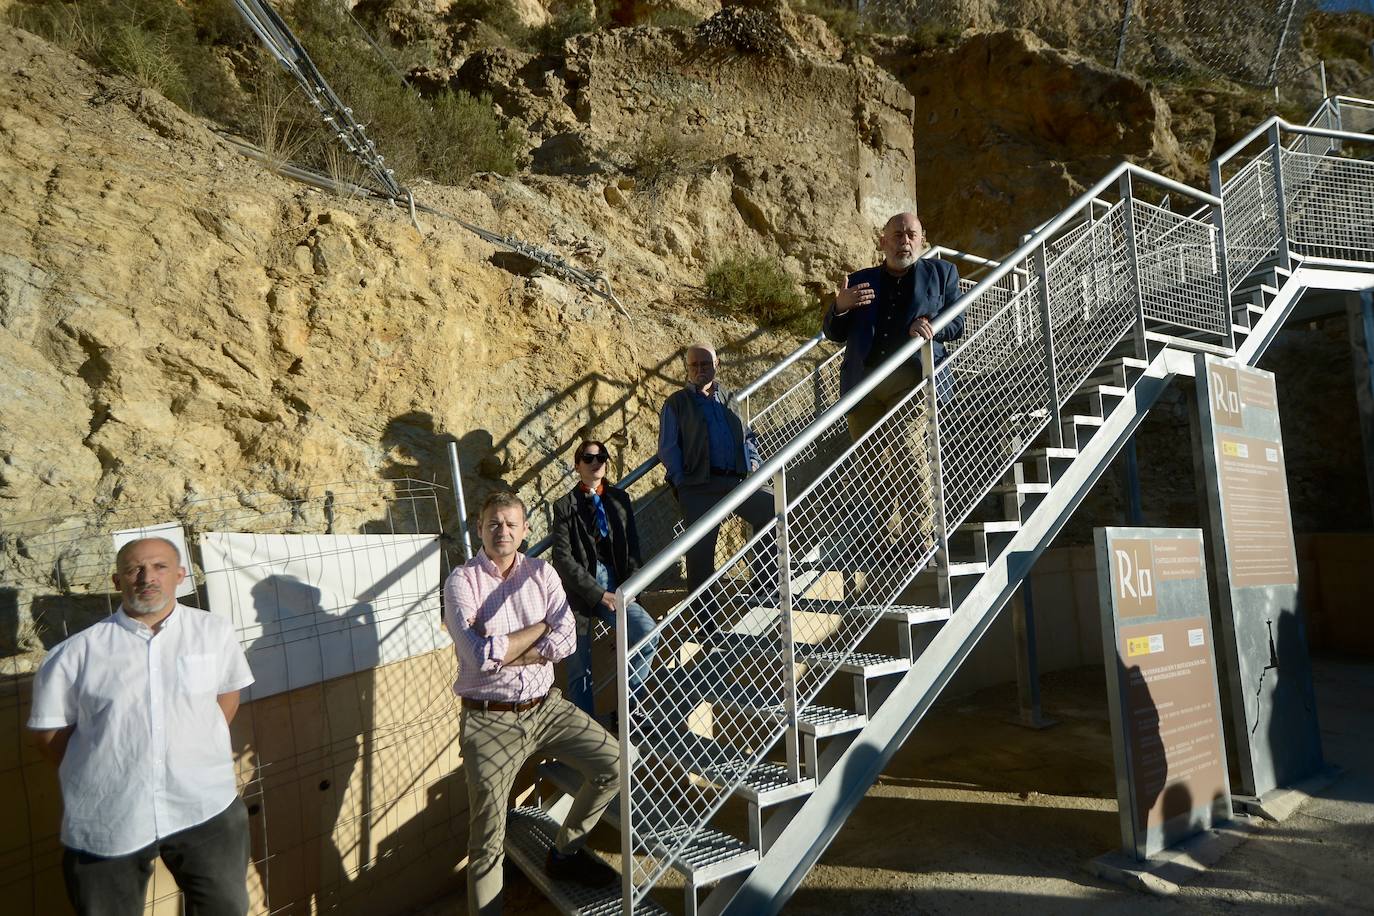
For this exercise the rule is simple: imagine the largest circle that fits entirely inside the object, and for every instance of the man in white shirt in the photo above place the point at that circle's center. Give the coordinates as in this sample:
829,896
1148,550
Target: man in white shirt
135,713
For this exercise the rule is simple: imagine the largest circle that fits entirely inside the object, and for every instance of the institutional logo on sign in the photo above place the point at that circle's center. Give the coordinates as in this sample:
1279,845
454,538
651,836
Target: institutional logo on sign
1133,577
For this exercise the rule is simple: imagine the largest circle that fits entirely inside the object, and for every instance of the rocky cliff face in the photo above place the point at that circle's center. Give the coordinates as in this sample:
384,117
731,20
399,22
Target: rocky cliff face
178,322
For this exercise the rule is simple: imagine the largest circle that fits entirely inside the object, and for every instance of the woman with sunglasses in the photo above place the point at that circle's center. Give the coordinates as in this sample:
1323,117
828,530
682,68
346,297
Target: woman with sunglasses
595,548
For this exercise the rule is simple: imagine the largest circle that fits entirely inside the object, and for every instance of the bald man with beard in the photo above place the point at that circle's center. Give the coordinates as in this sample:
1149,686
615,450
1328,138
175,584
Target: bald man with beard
875,312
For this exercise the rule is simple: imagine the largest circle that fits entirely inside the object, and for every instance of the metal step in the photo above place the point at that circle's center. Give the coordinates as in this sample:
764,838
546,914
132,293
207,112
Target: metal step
708,857
912,614
1002,527
1183,343
828,721
863,664
530,832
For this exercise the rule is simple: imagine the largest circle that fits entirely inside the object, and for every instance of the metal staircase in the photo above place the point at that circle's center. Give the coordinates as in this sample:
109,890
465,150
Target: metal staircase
784,684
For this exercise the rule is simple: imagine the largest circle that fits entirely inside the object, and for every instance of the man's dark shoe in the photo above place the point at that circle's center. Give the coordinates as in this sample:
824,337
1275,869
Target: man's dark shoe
580,867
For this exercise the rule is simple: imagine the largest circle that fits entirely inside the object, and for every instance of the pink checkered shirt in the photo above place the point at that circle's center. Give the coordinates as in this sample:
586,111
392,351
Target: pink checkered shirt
531,593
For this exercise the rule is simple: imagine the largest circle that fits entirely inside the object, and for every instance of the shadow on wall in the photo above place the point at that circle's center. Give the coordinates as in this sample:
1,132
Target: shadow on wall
594,404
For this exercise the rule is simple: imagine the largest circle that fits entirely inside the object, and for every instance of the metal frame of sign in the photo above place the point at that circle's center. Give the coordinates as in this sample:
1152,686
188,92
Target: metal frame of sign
1167,733
1271,705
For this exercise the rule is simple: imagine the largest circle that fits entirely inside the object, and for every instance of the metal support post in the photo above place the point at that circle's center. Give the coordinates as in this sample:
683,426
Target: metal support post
1223,263
937,488
783,537
1131,470
1042,279
1142,346
1121,42
457,473
1027,662
1281,208
745,414
622,689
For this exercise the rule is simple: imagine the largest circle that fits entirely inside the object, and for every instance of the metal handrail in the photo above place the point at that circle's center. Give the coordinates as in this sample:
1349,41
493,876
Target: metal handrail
1133,298
648,464
1282,124
835,413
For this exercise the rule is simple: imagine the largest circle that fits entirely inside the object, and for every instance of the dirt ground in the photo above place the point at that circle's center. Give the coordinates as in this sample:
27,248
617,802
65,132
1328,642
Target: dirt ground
978,815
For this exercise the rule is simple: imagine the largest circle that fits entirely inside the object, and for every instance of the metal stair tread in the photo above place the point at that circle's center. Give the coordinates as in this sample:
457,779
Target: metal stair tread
868,664
1023,487
1184,343
825,721
1005,526
1082,419
916,613
530,833
709,856
1055,453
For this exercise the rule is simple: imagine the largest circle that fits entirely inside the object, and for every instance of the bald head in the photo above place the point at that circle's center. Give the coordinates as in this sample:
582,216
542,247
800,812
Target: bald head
902,241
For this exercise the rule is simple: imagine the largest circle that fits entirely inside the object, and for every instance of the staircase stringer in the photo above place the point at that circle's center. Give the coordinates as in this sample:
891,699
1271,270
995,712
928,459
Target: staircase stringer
781,871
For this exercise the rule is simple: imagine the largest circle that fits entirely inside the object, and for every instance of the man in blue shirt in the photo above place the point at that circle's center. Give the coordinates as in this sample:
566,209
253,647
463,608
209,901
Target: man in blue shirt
706,452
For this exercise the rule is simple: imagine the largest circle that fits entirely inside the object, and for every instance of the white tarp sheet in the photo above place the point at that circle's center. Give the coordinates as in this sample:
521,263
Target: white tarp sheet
312,607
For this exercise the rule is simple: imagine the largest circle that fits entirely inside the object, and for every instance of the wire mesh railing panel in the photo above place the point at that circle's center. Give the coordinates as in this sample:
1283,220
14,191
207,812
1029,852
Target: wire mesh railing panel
1252,223
354,760
1356,117
1179,267
781,421
858,537
1092,297
994,400
697,731
1330,206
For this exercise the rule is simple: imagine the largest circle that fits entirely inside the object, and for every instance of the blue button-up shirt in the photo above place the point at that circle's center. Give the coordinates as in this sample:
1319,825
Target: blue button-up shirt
721,440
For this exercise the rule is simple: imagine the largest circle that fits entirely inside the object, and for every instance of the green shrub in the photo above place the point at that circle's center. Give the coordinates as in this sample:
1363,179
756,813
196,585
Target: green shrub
758,287
156,43
667,152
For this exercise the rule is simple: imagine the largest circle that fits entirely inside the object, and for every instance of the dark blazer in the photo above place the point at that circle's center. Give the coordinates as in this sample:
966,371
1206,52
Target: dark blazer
936,289
574,547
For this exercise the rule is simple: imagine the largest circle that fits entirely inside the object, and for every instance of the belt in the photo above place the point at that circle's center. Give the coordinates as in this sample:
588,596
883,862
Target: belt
722,472
500,706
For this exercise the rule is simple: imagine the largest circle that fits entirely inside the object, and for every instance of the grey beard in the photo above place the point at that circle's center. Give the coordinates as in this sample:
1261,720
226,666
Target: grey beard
901,262
140,607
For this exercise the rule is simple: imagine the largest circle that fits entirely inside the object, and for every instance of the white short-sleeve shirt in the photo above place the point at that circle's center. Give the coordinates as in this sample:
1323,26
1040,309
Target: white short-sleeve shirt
150,753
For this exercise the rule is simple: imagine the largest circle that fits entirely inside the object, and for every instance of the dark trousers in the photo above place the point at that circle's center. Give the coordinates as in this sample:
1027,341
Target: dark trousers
209,862
698,499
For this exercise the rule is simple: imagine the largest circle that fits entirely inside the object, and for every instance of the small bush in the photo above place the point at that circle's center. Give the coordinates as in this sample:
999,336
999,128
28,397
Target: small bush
444,138
756,286
156,43
667,152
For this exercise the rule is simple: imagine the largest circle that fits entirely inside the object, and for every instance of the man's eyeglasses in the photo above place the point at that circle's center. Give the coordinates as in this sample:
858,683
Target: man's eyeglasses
592,459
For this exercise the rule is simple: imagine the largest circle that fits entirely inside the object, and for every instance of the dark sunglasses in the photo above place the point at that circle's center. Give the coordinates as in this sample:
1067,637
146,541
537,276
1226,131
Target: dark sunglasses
592,459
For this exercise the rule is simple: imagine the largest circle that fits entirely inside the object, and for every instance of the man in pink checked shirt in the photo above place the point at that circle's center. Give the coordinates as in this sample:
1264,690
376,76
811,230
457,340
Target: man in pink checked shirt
510,621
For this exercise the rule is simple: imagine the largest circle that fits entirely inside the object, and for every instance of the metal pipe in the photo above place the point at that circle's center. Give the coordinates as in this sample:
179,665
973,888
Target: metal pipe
773,373
459,503
760,478
1263,129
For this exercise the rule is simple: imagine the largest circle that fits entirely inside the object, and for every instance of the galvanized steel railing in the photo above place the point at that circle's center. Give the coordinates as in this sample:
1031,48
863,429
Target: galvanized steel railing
741,659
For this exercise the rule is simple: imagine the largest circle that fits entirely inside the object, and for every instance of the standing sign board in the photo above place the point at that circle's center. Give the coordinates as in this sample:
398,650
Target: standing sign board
1272,719
1161,684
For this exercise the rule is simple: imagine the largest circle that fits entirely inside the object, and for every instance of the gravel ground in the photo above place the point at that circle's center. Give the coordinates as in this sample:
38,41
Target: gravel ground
978,815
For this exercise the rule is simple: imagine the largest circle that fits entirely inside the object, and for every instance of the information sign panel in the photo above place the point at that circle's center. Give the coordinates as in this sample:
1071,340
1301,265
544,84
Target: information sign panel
1263,661
1162,687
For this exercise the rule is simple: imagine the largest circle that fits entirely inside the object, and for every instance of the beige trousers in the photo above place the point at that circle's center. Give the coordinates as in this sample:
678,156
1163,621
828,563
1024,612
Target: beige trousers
495,746
903,457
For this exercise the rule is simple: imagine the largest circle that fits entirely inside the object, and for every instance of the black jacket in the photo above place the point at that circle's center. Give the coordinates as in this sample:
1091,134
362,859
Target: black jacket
574,547
936,288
